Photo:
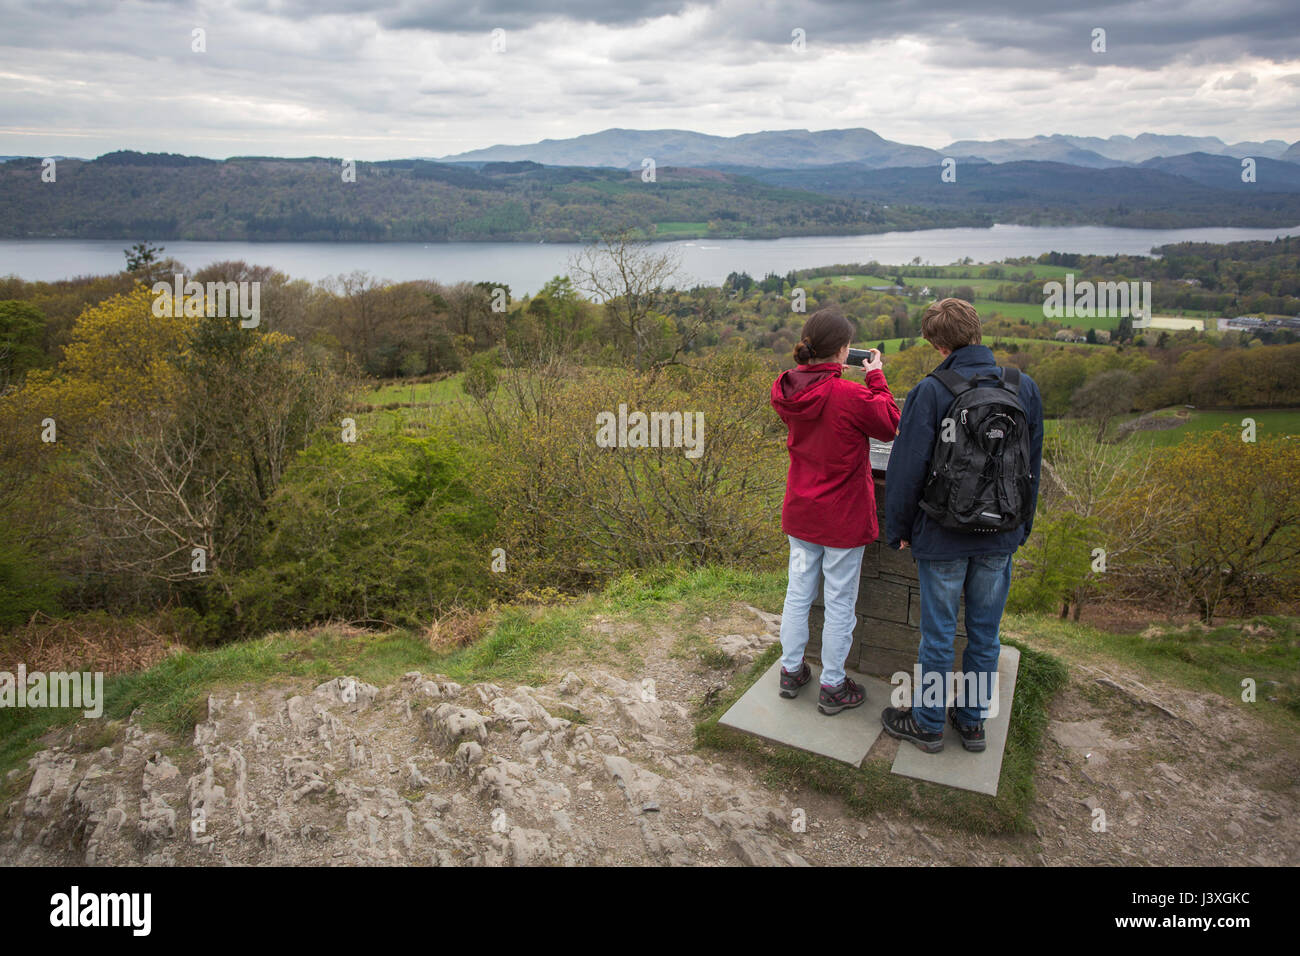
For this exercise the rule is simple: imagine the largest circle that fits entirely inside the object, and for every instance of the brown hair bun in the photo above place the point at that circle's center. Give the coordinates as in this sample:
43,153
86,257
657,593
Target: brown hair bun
826,332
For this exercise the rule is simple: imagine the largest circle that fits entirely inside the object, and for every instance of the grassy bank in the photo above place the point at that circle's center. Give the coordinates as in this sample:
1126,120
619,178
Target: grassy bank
1214,659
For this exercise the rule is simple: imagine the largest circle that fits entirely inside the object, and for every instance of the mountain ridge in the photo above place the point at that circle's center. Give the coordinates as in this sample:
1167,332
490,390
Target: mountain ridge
623,148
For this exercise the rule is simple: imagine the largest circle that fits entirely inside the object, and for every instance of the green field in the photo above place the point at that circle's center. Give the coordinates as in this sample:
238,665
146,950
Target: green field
422,393
892,345
1026,312
949,273
952,274
852,281
407,408
1031,312
978,285
681,228
1269,423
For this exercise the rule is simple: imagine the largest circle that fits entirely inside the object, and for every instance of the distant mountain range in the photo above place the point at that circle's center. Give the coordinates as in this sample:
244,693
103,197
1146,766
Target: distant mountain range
795,149
626,148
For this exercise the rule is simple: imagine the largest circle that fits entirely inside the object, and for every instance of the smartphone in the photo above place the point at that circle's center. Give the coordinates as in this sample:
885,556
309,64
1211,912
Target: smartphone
860,356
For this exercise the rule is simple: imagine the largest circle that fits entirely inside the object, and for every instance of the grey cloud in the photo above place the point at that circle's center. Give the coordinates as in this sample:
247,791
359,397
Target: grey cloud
1240,80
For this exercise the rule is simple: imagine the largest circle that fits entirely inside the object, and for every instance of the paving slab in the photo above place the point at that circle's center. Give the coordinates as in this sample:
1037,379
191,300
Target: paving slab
847,736
954,766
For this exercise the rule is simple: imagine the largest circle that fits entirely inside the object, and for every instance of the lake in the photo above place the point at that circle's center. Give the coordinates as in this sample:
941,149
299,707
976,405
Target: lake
525,267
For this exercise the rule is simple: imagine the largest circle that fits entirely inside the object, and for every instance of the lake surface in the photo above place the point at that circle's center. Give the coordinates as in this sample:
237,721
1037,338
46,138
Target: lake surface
525,267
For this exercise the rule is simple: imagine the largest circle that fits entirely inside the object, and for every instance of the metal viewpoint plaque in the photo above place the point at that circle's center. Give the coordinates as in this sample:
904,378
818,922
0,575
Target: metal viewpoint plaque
880,454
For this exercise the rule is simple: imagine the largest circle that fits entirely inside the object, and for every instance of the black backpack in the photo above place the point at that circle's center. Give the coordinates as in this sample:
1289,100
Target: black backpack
979,477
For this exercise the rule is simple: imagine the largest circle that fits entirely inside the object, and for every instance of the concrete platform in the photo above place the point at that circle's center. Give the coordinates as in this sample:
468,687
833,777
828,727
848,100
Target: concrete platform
847,736
953,766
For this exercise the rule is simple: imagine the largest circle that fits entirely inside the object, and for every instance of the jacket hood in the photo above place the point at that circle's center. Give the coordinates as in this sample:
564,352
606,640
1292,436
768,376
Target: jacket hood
801,393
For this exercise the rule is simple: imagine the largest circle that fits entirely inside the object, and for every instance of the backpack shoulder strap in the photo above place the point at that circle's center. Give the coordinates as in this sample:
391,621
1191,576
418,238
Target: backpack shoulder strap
1011,379
952,381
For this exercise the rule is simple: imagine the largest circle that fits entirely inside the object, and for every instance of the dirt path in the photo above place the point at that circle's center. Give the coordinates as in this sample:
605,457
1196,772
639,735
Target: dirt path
599,768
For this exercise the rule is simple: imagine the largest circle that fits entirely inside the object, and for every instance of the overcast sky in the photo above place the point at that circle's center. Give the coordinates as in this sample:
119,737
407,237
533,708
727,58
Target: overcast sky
404,78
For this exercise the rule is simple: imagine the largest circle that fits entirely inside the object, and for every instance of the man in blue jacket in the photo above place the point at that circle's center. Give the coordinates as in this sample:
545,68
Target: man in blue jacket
951,563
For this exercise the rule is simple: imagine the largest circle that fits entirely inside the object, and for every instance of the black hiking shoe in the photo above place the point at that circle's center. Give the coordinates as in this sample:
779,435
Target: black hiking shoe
834,699
790,683
899,722
972,738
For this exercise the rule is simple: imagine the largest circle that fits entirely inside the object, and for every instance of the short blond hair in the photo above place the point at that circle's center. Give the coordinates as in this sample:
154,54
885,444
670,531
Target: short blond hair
950,324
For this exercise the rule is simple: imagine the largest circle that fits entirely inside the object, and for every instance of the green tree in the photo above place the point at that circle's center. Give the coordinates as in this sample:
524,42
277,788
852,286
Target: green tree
22,327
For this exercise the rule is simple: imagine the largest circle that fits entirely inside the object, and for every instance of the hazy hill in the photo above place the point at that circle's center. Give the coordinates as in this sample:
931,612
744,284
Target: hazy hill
791,149
626,148
1224,172
1054,149
1191,192
1114,149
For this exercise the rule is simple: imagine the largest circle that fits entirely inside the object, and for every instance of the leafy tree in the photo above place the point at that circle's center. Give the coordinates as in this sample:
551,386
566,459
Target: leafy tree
392,530
141,256
1055,563
21,329
1237,537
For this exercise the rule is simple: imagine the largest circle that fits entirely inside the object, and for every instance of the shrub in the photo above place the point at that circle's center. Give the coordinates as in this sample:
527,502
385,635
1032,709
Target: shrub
390,529
573,513
26,584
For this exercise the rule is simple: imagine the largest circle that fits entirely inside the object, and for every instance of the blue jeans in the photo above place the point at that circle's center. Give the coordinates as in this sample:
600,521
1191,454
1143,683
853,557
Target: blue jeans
842,569
985,580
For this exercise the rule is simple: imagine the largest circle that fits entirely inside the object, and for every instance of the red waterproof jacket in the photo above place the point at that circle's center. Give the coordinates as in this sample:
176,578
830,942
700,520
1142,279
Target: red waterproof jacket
829,496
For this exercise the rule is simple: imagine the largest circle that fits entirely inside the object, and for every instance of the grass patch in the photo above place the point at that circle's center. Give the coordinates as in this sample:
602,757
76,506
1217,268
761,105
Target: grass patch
951,274
415,393
872,787
681,229
1269,422
854,281
692,592
1266,649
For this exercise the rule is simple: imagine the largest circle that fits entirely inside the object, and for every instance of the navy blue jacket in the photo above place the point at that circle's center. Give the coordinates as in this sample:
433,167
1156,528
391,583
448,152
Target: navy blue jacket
909,465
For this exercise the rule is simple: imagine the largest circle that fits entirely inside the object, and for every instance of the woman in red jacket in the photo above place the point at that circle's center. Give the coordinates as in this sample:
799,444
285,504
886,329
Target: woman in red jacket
829,513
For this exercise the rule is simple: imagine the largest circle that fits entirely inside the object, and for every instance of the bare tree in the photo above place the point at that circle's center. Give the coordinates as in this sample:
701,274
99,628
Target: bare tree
153,497
1103,397
630,279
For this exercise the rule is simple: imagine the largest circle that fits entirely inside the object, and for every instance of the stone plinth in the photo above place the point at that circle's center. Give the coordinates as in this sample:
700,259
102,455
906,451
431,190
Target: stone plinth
888,611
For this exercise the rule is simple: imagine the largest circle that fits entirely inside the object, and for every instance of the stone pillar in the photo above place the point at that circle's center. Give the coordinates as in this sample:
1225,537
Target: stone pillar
889,601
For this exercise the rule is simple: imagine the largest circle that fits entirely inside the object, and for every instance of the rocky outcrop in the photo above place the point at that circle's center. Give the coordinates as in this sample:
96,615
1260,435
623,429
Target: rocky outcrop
596,769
